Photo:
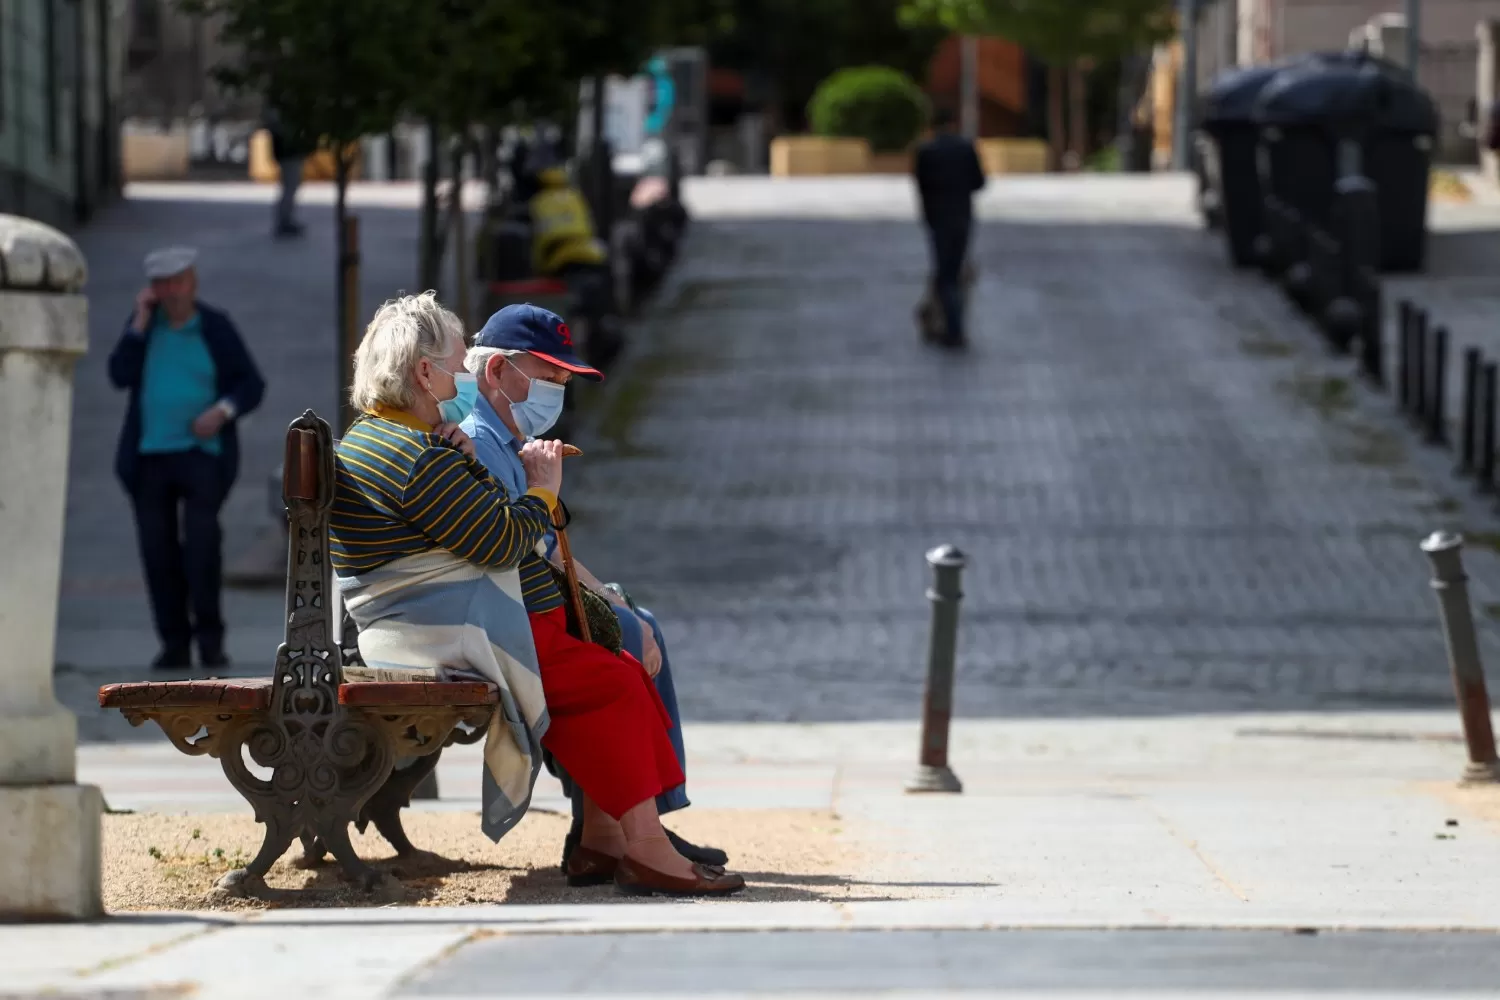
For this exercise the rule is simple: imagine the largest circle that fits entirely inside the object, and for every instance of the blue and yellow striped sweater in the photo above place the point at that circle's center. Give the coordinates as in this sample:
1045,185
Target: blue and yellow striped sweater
402,490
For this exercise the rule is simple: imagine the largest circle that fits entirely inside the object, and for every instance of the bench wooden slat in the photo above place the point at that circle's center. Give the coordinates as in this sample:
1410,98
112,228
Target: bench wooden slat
247,694
253,694
416,694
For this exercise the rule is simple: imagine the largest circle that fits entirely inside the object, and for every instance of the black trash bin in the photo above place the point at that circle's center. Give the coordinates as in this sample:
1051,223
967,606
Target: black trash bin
1305,111
1233,190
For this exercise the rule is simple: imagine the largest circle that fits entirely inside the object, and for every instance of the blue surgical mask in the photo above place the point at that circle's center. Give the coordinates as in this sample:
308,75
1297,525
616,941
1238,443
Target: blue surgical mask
540,409
457,409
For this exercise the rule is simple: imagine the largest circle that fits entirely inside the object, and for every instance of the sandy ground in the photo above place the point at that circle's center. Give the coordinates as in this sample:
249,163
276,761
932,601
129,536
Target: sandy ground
171,862
1477,804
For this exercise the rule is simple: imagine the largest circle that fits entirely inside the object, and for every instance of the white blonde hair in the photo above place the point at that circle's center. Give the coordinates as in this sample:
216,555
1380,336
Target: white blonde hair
403,331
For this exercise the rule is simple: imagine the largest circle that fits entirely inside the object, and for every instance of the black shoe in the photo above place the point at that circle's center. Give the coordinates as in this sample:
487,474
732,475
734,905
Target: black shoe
696,854
213,658
571,841
291,230
172,659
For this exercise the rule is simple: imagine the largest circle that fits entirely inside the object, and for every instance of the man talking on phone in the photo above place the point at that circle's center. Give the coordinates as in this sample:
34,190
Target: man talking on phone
190,378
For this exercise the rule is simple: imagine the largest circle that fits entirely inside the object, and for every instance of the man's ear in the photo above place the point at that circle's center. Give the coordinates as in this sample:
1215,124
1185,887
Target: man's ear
494,367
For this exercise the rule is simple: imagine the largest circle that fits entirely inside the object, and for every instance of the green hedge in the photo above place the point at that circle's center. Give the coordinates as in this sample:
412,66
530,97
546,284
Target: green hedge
875,103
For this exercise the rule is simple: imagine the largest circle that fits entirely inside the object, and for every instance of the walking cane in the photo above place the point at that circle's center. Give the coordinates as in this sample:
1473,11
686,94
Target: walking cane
570,572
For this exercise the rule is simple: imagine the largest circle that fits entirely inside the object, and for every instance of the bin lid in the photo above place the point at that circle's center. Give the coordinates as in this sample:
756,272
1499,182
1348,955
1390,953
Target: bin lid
1232,95
1353,87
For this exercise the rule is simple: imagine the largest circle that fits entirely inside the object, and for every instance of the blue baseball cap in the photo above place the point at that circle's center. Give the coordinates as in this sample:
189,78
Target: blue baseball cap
537,331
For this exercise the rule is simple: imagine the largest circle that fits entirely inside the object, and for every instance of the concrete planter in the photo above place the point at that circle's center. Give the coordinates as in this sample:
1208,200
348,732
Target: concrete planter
890,163
1013,156
809,155
154,156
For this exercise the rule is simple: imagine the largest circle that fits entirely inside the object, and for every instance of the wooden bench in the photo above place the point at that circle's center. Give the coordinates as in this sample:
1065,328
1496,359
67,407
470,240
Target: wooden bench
330,746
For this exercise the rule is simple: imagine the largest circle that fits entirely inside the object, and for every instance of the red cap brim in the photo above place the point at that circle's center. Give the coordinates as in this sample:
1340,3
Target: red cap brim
576,367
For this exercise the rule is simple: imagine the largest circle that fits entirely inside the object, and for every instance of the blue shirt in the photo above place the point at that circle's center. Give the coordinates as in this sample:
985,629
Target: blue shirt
498,451
177,384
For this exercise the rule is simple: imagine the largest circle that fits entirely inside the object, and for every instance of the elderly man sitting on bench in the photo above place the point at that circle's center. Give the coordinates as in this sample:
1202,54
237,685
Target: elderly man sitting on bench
523,357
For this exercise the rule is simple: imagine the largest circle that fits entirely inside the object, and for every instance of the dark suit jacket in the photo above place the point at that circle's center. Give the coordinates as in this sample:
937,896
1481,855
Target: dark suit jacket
948,173
235,375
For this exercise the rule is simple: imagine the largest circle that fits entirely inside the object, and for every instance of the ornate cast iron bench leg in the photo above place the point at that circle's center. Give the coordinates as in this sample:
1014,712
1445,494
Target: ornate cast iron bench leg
325,761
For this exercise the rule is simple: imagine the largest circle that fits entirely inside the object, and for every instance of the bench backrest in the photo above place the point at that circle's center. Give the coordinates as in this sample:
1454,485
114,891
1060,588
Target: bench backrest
309,666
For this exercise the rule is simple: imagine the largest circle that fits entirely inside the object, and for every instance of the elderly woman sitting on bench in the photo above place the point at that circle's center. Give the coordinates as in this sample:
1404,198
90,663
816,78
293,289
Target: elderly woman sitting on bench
425,547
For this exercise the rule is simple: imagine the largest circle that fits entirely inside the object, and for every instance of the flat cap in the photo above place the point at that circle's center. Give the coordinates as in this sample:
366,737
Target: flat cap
166,262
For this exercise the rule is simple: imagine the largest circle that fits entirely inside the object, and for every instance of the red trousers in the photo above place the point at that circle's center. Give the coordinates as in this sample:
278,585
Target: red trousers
608,725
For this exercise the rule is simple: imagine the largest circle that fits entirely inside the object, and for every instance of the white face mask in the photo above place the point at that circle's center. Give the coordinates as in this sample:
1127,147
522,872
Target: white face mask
540,409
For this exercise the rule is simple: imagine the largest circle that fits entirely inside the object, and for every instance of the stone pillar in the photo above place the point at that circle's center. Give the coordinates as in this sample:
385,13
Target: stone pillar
49,824
1486,91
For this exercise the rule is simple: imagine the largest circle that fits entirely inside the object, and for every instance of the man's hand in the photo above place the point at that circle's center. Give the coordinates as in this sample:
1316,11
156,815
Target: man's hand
455,436
145,305
650,651
210,422
543,462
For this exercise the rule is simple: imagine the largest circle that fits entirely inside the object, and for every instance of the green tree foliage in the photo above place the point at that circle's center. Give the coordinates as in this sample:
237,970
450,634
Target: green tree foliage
875,103
335,70
1059,31
791,46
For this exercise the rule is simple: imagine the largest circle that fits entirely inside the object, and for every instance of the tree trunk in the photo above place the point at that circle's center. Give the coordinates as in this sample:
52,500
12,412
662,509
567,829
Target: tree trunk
428,262
1078,115
345,309
1125,99
602,180
462,280
1056,124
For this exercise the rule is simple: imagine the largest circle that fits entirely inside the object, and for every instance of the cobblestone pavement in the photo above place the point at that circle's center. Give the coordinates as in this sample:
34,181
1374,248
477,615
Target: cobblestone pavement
1170,499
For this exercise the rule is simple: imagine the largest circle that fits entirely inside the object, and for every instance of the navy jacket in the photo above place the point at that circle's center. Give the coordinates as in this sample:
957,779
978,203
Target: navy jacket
235,377
948,173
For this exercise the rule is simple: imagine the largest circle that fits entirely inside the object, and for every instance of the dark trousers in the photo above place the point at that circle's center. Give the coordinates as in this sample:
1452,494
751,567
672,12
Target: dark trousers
177,499
950,245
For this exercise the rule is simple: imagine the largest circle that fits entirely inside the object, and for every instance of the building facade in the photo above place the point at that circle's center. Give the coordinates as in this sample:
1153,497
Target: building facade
59,134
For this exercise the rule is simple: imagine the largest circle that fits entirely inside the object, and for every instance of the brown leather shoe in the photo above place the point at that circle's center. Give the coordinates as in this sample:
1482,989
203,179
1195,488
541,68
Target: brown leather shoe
635,879
587,867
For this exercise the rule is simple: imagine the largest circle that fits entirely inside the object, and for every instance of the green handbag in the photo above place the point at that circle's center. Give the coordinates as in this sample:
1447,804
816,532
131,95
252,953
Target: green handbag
604,627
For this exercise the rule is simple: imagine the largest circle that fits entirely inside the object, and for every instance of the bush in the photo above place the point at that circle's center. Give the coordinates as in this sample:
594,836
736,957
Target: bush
875,103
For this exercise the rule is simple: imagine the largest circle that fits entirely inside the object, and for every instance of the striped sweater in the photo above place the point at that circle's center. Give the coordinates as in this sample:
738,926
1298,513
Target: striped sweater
402,490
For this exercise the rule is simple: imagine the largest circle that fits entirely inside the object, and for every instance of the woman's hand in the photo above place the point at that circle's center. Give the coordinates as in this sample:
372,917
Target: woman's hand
456,437
650,651
543,462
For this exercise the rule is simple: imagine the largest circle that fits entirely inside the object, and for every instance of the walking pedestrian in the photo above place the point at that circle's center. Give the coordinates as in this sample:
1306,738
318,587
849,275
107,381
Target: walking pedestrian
190,378
948,173
290,148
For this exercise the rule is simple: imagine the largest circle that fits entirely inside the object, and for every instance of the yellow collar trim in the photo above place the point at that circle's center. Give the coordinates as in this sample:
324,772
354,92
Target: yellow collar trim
402,417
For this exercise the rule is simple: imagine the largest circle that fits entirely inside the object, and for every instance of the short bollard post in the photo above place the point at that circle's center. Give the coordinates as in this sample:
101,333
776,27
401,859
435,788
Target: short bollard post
1419,401
1403,358
1486,443
933,773
1469,425
1373,354
1437,388
1445,550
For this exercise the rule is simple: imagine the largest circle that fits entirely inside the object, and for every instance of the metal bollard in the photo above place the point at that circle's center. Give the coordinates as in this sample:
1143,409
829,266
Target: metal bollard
1469,423
1373,319
1437,388
1419,401
933,773
1486,443
1403,357
1445,550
